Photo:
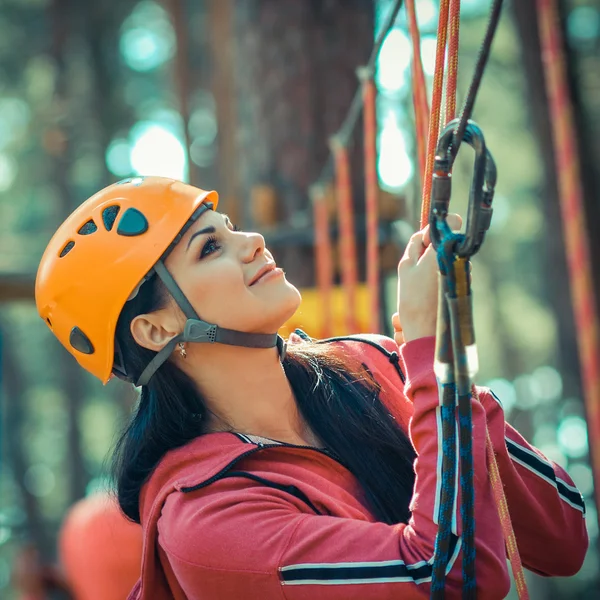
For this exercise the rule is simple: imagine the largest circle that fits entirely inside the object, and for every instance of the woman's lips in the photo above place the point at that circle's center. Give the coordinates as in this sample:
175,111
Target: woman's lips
267,275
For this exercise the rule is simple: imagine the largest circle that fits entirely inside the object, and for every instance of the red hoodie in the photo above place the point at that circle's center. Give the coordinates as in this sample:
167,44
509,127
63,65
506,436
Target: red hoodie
230,516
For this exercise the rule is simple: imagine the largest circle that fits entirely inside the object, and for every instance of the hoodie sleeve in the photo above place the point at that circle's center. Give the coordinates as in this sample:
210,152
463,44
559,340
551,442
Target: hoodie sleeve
236,534
546,509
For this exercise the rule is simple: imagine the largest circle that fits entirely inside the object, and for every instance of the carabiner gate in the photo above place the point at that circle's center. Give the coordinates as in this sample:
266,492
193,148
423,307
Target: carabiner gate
479,214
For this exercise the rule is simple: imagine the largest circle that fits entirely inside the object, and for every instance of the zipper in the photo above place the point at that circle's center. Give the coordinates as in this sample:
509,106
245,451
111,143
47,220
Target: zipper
259,446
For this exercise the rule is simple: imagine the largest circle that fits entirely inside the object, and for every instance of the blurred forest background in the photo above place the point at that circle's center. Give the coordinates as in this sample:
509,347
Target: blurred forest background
242,96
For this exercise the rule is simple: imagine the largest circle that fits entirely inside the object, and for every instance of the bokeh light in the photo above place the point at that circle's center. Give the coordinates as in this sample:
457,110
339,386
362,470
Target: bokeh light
572,436
147,38
156,150
8,171
427,14
505,392
39,480
395,165
546,384
583,24
14,120
394,61
428,51
118,157
583,478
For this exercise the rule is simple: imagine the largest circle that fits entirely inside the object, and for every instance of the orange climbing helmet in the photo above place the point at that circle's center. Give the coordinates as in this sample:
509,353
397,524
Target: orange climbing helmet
102,254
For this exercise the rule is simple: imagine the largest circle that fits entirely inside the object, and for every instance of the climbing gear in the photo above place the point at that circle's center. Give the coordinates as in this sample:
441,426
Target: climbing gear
182,350
479,213
103,252
456,354
453,252
477,224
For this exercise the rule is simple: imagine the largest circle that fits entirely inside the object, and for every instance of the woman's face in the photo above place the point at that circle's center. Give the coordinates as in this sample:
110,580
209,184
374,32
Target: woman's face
230,278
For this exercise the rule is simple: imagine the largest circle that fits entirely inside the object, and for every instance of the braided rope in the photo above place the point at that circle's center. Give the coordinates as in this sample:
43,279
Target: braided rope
509,534
445,514
452,73
467,505
436,107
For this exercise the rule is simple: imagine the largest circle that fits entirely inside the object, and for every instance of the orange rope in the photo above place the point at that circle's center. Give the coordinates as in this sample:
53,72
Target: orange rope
573,211
371,197
346,240
323,258
421,106
436,105
509,534
452,75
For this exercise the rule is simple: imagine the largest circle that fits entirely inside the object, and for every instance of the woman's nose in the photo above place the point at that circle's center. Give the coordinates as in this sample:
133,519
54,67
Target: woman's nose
253,246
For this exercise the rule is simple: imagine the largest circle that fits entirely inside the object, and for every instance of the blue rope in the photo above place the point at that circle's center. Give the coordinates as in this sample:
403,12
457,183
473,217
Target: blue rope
447,492
450,398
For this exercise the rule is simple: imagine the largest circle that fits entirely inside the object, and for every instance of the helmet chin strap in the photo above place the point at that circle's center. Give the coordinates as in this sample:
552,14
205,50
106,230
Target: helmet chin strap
199,331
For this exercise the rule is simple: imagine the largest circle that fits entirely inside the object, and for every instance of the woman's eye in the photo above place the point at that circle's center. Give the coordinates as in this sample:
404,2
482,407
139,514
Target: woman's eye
211,245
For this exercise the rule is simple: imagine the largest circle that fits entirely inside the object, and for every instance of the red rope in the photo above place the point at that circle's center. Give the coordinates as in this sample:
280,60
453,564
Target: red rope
371,197
436,106
452,74
346,244
572,209
323,257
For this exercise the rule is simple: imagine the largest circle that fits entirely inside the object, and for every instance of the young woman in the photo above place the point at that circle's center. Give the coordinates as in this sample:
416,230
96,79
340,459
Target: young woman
258,471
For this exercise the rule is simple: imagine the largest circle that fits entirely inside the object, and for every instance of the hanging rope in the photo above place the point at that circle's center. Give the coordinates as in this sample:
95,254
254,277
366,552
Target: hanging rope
346,239
421,106
509,535
573,217
323,259
452,73
484,53
449,19
448,27
436,106
371,195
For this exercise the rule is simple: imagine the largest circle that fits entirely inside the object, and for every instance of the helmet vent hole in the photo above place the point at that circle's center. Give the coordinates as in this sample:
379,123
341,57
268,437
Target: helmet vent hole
80,341
68,247
132,223
87,228
109,215
49,322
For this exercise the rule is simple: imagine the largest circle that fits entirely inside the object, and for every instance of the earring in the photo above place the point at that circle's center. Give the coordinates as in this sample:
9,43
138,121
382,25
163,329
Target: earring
182,351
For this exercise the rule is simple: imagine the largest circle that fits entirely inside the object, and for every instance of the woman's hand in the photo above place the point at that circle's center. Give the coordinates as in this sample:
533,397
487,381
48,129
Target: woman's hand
418,287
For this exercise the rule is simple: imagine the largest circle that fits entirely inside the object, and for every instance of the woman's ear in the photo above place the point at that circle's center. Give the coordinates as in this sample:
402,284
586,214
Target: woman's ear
153,330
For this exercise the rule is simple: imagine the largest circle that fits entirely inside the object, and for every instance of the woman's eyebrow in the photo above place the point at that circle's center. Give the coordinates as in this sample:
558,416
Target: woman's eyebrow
204,231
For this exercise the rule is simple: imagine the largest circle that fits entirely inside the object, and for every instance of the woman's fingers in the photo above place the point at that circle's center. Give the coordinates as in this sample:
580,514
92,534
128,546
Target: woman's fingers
414,249
454,221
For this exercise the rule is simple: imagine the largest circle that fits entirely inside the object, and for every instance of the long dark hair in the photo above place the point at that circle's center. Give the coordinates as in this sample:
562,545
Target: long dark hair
341,407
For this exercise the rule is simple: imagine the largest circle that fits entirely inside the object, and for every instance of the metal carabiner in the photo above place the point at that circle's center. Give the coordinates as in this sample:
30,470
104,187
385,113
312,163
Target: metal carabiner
479,213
